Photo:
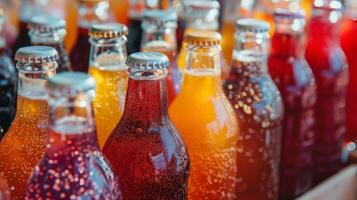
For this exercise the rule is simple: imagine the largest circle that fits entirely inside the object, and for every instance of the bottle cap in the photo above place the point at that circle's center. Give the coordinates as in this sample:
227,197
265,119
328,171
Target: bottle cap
160,17
71,83
46,24
203,38
252,25
286,14
147,61
108,30
36,54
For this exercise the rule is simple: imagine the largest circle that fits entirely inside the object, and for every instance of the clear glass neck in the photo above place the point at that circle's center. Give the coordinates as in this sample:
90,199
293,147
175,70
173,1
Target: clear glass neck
30,8
136,7
204,58
271,5
206,20
89,13
156,37
108,54
55,37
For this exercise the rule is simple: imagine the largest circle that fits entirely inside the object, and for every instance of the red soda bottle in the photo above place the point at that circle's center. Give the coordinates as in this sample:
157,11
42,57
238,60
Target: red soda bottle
349,44
328,63
89,12
145,149
259,110
159,35
295,80
73,166
50,31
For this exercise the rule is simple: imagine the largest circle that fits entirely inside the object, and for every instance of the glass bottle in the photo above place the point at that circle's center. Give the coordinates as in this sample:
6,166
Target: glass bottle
259,110
50,31
206,120
73,166
145,149
198,15
28,9
107,66
348,44
25,142
8,84
329,65
159,35
295,80
89,12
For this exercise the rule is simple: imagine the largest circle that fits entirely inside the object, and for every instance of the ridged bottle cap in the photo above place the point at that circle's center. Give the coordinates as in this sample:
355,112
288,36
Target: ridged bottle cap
252,25
147,61
286,14
46,24
203,38
71,83
108,30
36,54
160,17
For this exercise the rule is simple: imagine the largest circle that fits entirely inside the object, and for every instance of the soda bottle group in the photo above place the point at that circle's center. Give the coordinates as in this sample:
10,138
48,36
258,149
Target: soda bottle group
175,99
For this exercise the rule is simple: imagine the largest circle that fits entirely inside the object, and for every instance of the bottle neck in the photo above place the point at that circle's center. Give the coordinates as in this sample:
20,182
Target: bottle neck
200,58
51,38
30,8
71,123
90,13
108,54
201,19
351,9
146,99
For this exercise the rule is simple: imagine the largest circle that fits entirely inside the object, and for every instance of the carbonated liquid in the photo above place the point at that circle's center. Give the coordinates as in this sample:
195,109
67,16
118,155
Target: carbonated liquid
258,107
72,167
80,52
109,101
296,83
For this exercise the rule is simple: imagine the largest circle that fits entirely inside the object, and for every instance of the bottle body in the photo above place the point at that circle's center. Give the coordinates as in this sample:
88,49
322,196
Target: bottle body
296,83
329,66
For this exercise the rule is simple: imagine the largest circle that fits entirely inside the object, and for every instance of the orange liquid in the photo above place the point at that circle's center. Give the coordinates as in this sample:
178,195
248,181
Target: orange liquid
71,19
24,144
120,9
207,123
109,101
228,31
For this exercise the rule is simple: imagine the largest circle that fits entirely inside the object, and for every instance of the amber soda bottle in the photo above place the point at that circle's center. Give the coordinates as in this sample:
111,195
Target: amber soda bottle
159,35
107,66
89,12
50,31
295,80
206,120
329,65
145,149
25,142
259,110
73,167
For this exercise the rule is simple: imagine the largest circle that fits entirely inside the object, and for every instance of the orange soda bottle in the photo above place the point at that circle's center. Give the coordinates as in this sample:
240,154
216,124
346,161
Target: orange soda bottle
259,109
159,35
120,10
89,12
25,142
206,120
107,66
198,15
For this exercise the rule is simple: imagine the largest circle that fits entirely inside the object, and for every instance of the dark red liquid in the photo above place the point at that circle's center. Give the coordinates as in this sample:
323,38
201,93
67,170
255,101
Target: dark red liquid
23,39
258,107
80,52
134,36
64,64
329,66
297,86
8,92
349,46
145,149
73,168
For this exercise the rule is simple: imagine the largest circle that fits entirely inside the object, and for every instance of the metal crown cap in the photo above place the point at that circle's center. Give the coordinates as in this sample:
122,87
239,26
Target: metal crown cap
36,54
203,38
108,30
147,61
46,24
201,4
252,25
160,17
71,82
286,14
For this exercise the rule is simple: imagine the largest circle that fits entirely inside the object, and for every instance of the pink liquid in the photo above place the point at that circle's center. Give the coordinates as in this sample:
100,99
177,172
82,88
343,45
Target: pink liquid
73,168
349,46
80,53
329,66
296,83
145,150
